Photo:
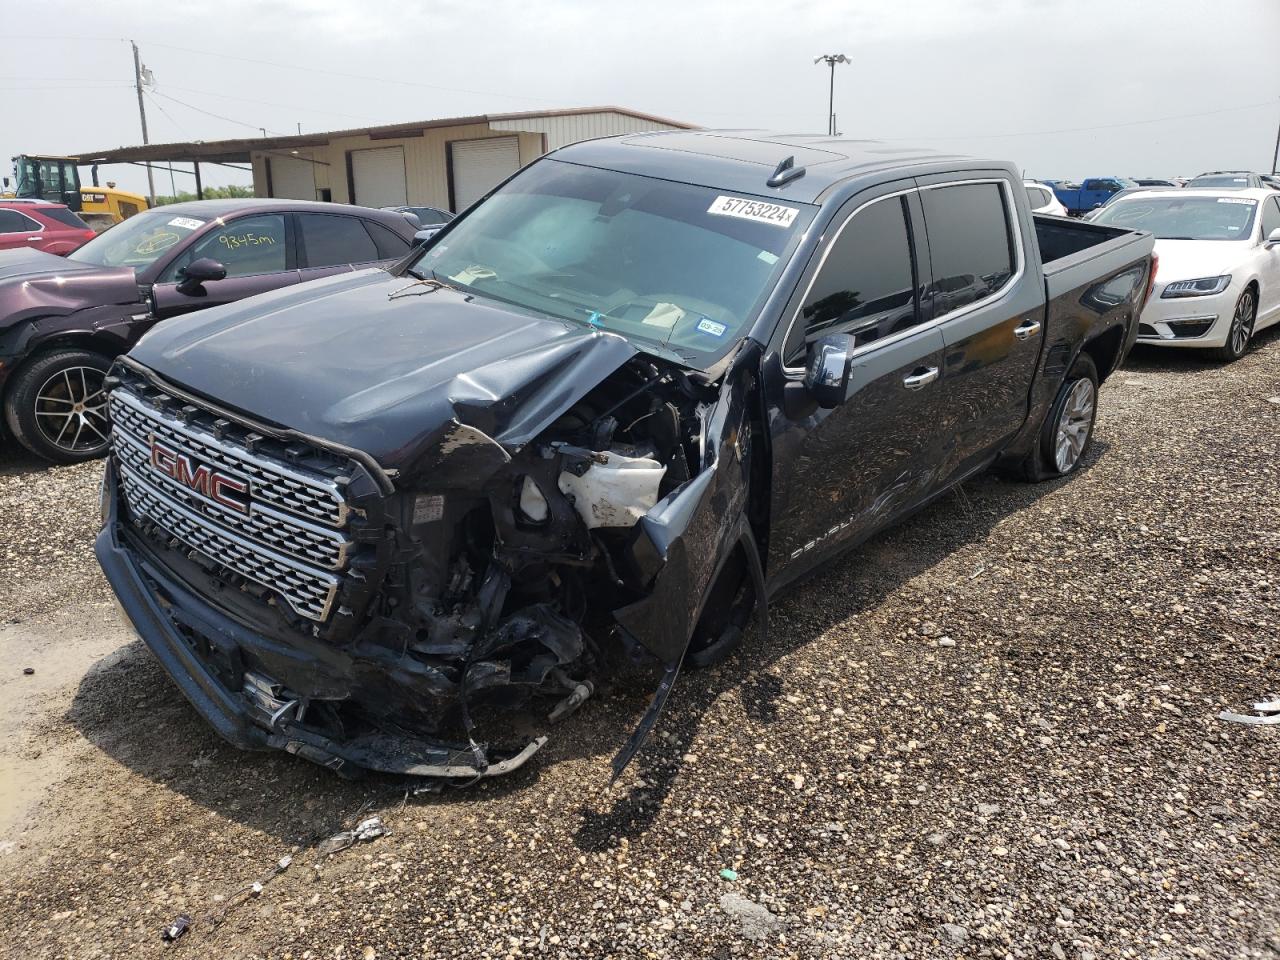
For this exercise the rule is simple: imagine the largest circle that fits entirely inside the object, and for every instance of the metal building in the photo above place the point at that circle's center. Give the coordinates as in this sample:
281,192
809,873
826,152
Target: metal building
438,163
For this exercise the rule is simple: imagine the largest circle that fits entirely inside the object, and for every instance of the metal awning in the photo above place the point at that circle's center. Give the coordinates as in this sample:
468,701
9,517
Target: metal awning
239,151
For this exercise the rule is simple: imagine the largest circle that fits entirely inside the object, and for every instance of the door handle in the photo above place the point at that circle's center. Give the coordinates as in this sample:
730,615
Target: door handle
920,377
1027,329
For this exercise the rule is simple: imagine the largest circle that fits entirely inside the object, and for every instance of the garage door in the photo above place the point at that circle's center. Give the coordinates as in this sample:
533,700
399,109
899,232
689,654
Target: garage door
292,179
377,177
478,165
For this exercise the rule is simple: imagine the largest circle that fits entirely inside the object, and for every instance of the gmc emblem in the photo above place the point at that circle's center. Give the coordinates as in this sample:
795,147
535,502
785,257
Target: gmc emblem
204,480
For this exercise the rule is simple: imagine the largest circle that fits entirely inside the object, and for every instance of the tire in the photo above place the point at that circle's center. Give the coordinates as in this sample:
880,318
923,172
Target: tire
1043,462
48,385
1241,330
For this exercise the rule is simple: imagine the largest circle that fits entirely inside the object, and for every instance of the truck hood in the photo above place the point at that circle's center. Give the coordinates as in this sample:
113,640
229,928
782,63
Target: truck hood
34,283
1193,259
384,365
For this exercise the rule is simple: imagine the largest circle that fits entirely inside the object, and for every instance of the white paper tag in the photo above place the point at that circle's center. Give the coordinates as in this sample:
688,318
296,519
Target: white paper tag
757,210
1245,200
707,325
186,223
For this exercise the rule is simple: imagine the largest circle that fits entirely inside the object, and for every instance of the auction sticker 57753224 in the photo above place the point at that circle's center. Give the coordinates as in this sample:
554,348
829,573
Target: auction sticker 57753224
757,210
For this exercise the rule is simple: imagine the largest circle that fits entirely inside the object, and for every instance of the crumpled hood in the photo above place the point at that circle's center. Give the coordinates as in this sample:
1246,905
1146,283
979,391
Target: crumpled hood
34,283
379,364
1194,259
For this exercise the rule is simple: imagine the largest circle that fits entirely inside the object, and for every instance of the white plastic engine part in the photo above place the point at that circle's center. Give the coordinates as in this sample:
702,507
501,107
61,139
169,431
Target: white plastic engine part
532,503
616,493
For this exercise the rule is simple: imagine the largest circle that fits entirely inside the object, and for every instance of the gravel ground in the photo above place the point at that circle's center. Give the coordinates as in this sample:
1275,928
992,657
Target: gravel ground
990,732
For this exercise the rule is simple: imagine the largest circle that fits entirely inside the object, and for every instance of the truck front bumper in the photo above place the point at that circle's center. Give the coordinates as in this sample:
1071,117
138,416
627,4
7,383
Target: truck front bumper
209,656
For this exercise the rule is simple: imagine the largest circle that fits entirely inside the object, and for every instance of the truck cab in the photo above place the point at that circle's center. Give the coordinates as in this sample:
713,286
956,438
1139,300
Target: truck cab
56,179
1092,193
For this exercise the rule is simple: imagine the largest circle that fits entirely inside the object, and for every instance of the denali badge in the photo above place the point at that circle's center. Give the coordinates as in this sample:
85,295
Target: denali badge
218,487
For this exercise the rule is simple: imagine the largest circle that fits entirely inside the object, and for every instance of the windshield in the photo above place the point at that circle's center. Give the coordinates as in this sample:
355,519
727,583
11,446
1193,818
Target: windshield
1220,180
1183,218
679,265
139,241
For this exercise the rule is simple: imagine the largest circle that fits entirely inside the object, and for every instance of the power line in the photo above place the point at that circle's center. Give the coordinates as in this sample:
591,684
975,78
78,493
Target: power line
218,116
265,103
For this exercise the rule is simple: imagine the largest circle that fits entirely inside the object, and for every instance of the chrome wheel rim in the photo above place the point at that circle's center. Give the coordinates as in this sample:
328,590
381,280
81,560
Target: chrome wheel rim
1074,425
71,410
1242,323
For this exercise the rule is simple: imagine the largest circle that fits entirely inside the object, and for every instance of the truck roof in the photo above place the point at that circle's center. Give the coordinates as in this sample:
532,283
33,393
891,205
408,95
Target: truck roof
745,160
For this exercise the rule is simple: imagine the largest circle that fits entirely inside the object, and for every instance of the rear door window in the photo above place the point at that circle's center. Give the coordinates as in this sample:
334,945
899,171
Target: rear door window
331,240
1038,196
11,221
391,246
866,284
971,246
65,217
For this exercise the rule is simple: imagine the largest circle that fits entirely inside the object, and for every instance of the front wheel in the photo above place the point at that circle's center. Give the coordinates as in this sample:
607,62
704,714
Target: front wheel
57,406
1241,329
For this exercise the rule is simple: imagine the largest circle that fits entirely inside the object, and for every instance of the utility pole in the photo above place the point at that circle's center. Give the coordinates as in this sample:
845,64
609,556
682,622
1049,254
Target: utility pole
831,59
142,113
1275,157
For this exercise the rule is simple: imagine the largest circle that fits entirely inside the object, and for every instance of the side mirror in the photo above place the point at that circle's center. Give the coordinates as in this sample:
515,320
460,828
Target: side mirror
426,233
1274,236
826,373
199,272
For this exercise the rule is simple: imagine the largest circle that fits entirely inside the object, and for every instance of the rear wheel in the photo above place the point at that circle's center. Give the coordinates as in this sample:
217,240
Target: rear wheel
57,406
1067,429
1241,330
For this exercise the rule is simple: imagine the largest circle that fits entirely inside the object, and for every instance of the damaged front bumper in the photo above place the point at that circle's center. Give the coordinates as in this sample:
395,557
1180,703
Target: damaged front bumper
202,650
493,576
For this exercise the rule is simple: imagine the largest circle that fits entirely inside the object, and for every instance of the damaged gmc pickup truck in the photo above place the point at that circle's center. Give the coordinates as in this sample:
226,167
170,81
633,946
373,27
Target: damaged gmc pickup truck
400,519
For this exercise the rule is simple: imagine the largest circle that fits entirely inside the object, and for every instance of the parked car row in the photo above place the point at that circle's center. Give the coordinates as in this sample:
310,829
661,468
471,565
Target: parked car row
1081,199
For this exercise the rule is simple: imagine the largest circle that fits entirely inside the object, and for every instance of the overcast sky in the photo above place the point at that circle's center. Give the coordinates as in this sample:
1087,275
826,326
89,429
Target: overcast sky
1065,88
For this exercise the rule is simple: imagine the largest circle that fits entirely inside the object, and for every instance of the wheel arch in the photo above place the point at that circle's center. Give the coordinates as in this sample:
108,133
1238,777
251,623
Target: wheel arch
1104,349
95,340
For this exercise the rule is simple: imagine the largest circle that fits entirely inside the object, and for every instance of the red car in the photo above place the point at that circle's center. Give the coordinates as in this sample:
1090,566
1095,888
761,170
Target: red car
51,227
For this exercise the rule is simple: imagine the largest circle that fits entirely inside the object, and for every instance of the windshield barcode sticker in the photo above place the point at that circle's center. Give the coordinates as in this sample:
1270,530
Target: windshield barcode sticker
1245,200
186,223
770,213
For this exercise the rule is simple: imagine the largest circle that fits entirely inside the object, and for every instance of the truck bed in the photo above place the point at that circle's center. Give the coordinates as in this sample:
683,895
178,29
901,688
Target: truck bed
1075,253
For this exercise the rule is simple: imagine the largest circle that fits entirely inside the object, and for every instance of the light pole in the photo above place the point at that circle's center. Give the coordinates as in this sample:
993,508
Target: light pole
831,59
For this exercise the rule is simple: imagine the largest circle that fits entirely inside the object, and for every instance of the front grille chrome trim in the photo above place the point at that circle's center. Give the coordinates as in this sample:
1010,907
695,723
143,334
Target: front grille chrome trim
275,484
308,591
268,527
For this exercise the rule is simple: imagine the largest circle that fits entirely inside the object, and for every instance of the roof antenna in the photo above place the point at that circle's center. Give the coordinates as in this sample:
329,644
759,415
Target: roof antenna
785,172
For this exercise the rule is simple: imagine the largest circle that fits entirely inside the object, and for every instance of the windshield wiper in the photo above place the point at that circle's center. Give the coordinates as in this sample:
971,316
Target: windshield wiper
423,285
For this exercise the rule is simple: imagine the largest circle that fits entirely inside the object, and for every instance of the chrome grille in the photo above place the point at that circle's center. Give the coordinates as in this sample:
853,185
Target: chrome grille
309,592
304,541
294,491
293,540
